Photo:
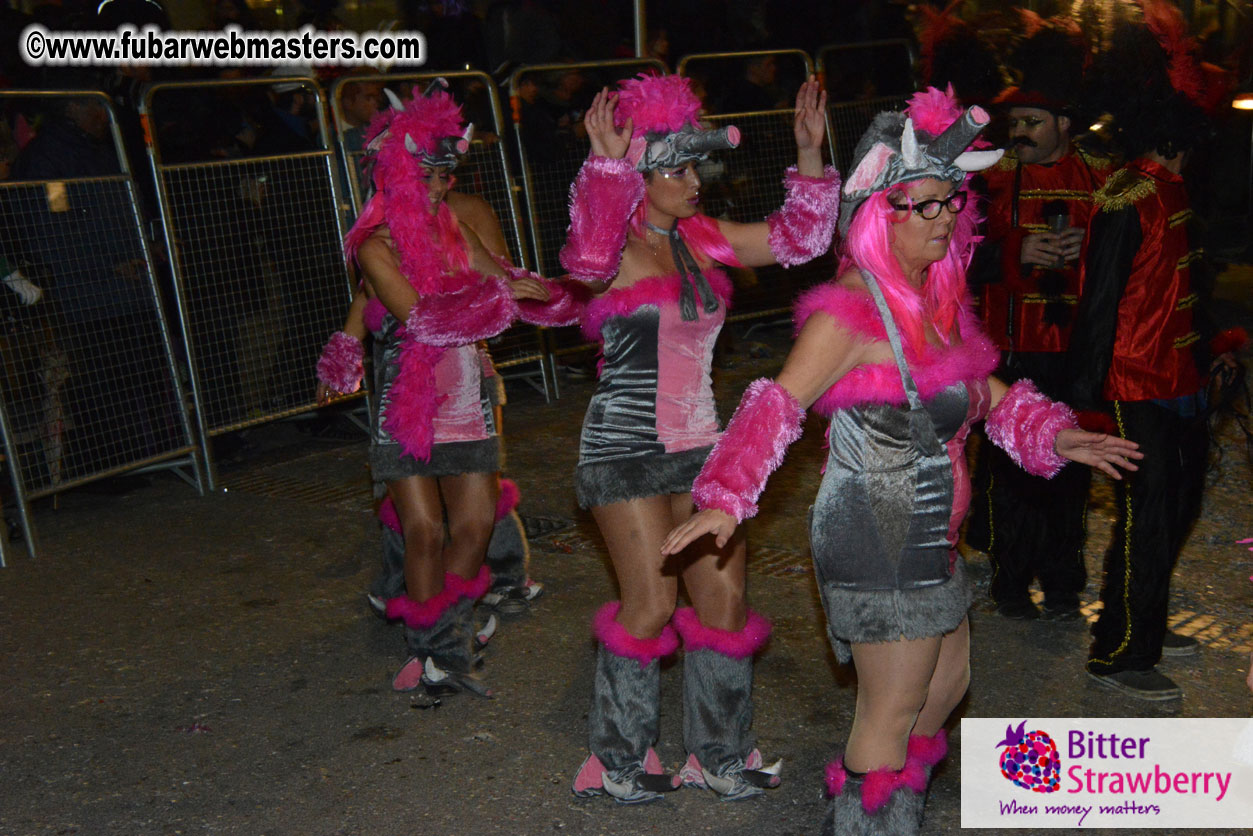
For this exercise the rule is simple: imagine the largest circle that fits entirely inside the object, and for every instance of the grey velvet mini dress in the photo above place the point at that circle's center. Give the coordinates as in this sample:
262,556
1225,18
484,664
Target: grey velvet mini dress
884,526
652,420
464,428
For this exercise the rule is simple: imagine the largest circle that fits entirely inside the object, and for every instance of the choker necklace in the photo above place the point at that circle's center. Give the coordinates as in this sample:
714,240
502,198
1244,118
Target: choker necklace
668,233
692,282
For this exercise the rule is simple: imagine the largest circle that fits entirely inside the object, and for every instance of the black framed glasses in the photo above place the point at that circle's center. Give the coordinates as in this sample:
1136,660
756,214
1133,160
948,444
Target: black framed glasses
930,209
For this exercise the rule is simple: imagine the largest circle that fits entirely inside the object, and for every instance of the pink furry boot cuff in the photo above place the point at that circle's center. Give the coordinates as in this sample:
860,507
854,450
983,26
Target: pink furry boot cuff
340,366
801,229
739,644
619,642
1025,425
479,310
767,421
602,198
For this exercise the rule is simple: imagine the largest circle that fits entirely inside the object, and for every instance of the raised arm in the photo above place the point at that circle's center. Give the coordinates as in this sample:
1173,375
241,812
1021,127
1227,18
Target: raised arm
767,421
801,229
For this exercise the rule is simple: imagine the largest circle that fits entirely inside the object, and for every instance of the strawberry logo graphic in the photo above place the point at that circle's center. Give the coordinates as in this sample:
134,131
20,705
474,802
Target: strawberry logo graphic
1030,759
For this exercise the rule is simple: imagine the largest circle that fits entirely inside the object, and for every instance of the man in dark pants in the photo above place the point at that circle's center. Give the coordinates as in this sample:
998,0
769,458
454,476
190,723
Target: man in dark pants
1039,202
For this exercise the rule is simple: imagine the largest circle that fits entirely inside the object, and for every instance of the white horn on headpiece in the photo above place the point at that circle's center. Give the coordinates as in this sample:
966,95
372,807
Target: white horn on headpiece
410,145
909,146
395,100
469,134
978,160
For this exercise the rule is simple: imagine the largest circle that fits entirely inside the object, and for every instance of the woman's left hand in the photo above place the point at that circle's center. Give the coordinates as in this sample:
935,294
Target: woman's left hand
529,288
1098,450
710,521
810,122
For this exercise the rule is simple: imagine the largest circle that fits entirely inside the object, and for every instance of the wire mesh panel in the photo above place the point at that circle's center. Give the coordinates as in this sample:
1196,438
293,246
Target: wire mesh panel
255,241
88,386
485,173
868,70
747,82
849,121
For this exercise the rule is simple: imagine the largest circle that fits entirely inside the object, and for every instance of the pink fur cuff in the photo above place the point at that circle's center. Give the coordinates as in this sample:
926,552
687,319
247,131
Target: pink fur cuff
738,645
478,310
602,198
340,366
388,515
1025,425
767,421
619,642
801,229
566,301
508,499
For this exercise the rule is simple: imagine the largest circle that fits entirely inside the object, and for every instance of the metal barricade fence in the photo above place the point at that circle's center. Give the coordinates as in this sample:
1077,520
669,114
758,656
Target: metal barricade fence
486,172
550,152
89,386
849,120
247,194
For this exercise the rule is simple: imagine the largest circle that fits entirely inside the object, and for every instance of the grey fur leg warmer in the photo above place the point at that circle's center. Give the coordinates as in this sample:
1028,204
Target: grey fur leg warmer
883,802
508,552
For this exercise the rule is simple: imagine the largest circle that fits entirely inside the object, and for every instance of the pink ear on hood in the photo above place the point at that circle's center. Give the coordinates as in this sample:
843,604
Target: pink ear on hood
635,151
868,169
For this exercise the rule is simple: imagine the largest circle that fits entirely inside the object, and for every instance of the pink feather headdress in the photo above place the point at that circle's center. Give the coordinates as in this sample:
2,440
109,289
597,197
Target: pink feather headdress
658,104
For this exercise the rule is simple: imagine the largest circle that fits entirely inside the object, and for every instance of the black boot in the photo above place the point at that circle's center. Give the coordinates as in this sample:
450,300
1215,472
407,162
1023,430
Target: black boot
624,720
718,707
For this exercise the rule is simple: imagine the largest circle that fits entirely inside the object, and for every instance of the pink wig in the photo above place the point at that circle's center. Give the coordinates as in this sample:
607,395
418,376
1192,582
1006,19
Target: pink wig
658,104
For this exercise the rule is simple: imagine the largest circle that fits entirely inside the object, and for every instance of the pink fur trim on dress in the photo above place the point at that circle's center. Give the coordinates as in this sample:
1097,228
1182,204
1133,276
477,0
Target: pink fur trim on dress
479,309
972,359
388,515
619,642
1025,425
767,421
801,229
738,645
928,751
602,197
654,290
340,366
508,499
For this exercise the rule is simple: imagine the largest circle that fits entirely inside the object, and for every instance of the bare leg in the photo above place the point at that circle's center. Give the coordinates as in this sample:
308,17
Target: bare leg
421,517
892,683
471,503
714,578
634,531
948,683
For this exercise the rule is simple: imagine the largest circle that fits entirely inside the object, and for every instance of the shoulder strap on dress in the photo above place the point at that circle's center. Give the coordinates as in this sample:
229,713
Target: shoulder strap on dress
921,428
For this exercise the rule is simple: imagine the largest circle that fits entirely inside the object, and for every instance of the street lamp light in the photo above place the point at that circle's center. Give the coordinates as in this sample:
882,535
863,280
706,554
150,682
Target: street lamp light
1244,101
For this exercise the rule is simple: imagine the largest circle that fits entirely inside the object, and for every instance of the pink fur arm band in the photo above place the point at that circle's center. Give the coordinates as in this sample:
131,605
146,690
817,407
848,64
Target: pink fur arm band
802,227
602,198
340,366
480,309
1025,425
767,421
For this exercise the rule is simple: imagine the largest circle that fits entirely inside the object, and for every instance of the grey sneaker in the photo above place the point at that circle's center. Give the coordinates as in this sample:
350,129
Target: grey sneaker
1143,685
1176,645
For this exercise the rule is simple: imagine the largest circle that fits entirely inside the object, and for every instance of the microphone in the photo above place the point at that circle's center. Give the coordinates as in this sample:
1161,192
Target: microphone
1058,219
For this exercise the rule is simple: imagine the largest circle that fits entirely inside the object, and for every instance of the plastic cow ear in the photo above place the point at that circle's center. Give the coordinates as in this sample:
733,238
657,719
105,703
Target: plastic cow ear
635,151
410,145
395,100
869,169
978,160
910,151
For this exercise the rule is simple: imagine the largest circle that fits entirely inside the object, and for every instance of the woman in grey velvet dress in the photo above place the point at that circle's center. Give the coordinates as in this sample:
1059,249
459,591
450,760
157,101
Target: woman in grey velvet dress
891,353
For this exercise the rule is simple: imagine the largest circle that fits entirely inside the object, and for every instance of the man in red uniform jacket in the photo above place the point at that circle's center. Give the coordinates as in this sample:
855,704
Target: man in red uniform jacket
1039,202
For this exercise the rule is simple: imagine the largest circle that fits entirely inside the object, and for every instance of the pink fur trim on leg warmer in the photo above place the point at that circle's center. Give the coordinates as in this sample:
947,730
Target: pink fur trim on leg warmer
602,198
473,588
739,644
1025,425
619,642
340,366
928,751
508,499
388,515
422,615
478,310
766,422
801,229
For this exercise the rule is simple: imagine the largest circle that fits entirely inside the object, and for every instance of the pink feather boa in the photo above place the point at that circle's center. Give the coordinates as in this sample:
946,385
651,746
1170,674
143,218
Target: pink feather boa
972,359
802,228
767,421
878,785
422,615
1025,424
478,309
340,366
602,198
738,645
619,642
654,290
508,499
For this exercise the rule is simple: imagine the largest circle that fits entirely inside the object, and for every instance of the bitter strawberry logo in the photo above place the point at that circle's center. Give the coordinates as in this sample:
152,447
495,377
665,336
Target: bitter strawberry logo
1030,759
